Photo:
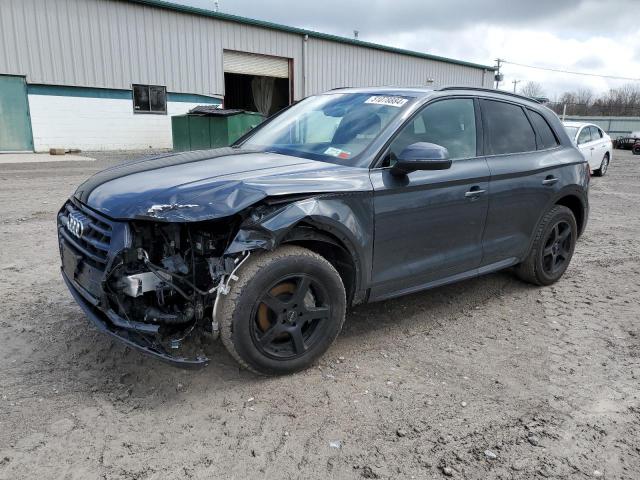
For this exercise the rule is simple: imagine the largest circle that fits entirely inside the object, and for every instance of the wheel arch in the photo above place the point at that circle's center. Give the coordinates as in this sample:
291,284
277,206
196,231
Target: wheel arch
338,228
334,250
575,199
574,203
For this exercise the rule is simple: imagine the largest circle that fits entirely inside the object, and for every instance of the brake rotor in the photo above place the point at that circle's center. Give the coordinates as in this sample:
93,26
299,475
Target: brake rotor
281,289
263,311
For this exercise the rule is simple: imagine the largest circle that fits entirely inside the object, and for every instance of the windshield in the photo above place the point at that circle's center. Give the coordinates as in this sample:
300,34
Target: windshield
571,131
332,127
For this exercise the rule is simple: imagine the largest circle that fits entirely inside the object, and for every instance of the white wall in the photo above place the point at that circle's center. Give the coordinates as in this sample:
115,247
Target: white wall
98,123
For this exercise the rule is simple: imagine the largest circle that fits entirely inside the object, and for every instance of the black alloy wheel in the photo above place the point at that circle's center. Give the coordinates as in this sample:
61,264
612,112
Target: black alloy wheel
558,248
283,312
289,317
552,247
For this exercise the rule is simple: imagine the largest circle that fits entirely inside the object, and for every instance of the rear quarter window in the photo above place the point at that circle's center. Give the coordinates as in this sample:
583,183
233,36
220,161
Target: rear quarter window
546,137
508,128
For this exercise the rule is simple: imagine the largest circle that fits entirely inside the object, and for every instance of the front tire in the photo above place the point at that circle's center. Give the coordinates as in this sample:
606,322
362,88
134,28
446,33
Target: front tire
552,249
284,311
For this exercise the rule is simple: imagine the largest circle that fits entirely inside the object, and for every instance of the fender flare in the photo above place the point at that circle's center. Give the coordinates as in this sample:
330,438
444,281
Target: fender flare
336,219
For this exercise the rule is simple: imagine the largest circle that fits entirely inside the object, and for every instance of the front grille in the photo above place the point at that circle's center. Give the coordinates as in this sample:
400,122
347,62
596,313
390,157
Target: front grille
87,232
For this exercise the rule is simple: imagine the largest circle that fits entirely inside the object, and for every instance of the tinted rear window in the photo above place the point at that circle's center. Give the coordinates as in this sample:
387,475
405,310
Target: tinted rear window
508,129
546,137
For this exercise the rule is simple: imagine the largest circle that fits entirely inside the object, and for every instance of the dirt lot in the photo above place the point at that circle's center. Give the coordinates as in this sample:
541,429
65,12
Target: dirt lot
490,378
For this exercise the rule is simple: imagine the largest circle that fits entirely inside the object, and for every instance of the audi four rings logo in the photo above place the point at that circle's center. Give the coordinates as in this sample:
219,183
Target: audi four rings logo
76,224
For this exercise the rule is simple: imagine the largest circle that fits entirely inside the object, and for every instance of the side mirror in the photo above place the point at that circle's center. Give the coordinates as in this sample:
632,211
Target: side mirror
421,156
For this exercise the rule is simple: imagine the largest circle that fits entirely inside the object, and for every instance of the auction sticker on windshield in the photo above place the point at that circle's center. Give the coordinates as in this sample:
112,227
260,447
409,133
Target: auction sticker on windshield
337,152
390,101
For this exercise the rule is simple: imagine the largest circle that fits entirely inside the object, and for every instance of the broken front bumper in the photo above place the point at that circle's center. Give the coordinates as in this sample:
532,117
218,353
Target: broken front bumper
140,336
86,256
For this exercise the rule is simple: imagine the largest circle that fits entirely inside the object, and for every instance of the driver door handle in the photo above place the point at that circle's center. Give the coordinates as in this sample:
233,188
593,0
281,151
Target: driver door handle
474,192
550,180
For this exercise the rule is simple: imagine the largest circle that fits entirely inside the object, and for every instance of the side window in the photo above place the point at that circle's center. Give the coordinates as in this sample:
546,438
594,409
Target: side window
546,137
508,129
149,99
448,123
584,136
596,133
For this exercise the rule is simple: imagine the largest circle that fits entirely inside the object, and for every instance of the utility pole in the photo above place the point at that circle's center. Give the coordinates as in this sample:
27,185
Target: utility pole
498,76
515,83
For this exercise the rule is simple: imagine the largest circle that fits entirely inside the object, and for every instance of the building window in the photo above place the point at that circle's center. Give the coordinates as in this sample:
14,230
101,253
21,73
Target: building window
149,99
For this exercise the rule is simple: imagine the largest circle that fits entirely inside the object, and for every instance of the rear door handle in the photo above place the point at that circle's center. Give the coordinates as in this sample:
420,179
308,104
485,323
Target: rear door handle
549,180
474,192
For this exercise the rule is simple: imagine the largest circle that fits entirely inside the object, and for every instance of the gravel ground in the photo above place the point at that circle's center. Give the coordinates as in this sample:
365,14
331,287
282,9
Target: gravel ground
489,378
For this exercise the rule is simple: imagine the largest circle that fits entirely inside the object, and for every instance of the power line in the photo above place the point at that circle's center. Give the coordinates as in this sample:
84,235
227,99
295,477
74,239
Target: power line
548,69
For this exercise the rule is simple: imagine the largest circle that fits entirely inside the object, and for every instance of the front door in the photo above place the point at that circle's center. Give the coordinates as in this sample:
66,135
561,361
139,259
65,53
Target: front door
428,224
15,124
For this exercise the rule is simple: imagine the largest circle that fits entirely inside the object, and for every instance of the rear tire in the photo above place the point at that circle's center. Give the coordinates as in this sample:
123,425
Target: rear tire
604,166
552,249
284,311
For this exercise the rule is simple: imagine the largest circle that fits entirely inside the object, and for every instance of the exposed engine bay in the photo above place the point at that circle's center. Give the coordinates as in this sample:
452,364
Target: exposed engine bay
170,276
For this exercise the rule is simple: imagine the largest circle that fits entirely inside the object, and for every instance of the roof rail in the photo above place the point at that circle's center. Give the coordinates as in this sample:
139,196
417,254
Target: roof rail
491,90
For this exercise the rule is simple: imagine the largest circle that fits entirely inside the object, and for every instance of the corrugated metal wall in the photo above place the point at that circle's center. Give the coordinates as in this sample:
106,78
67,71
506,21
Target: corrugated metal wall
614,126
114,43
333,64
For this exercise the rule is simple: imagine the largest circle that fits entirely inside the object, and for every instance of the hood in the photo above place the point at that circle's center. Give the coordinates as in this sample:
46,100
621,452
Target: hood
204,185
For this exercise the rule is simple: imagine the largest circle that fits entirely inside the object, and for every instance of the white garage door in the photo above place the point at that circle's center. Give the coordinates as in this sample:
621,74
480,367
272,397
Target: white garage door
252,64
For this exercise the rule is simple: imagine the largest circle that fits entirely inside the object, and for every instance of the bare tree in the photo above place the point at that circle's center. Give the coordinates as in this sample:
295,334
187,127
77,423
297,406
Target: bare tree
584,96
622,101
532,89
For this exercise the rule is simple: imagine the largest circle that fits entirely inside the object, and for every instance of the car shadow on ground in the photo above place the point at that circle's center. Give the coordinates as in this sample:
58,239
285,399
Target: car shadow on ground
430,307
96,363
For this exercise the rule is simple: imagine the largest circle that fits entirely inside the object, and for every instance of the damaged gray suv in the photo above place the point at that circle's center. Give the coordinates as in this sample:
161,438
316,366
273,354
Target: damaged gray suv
353,196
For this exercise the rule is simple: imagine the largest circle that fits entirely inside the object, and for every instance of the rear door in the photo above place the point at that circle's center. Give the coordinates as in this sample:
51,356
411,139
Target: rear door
524,176
584,143
428,224
598,147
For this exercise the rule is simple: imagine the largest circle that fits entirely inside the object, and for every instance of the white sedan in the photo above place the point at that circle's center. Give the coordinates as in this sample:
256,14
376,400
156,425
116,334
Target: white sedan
595,145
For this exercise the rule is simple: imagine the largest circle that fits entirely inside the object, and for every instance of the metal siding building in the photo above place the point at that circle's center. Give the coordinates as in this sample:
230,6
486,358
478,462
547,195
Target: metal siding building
101,48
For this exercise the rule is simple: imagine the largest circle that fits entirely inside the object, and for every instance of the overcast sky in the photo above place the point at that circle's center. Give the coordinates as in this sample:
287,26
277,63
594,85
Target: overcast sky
591,36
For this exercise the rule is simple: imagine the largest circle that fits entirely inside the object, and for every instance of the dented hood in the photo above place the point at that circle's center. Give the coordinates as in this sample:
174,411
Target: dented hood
205,185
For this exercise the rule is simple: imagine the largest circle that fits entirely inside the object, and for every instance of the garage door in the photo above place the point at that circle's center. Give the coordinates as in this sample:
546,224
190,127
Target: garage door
15,124
252,64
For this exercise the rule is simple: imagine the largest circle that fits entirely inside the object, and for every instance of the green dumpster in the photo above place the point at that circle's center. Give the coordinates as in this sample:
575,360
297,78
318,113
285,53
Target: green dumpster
207,127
